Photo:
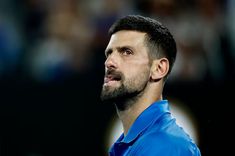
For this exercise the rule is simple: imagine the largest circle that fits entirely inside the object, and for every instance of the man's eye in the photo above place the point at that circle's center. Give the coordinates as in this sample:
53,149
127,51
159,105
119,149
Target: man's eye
127,52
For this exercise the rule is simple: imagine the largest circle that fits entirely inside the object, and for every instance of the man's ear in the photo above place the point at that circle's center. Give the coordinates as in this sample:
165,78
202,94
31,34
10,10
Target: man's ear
159,69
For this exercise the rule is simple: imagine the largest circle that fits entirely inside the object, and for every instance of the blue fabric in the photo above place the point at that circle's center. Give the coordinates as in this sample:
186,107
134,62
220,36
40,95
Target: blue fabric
155,133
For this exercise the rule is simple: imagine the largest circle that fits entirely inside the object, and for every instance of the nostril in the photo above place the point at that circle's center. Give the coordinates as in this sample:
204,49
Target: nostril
111,66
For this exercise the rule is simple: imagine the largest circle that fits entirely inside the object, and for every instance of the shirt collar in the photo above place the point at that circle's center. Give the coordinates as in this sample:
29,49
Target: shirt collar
152,113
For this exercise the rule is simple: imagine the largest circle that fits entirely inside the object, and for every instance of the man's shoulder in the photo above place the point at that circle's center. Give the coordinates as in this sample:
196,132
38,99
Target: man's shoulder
163,139
165,144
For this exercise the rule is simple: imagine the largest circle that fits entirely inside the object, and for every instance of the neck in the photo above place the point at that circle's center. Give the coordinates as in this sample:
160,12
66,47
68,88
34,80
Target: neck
128,110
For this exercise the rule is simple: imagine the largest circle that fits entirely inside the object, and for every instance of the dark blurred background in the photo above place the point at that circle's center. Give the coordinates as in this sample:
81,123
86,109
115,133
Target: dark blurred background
51,72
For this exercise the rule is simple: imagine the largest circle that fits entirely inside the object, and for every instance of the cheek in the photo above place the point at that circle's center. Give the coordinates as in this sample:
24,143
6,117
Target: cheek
135,67
137,73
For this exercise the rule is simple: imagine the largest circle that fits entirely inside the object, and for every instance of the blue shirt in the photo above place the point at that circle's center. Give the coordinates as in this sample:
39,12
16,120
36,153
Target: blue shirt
155,133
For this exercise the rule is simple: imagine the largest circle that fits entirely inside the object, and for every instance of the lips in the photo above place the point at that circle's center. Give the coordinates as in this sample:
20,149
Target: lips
112,77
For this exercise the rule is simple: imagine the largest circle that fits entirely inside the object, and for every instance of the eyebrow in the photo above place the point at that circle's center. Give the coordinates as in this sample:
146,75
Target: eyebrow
118,48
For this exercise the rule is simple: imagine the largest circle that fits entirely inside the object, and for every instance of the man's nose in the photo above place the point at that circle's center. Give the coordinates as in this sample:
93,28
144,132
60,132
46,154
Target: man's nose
111,61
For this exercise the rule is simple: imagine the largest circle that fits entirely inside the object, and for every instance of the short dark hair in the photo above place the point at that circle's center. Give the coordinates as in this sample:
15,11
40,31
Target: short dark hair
159,39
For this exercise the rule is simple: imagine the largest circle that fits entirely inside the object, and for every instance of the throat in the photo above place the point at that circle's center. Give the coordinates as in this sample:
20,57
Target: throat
126,102
128,110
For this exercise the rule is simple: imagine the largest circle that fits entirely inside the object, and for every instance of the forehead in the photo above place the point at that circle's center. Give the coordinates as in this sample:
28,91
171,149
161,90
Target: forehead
127,37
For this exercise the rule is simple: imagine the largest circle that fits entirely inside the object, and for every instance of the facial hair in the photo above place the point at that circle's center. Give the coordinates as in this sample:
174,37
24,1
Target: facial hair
130,89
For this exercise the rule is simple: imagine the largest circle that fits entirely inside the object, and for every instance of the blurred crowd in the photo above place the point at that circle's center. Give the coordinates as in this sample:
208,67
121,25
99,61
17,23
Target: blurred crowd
52,40
63,41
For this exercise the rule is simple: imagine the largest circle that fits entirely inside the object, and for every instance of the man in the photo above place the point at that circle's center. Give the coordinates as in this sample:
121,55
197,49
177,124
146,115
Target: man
139,58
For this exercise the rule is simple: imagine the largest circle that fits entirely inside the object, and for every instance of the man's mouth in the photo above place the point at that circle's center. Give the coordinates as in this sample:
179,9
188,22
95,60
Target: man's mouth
112,78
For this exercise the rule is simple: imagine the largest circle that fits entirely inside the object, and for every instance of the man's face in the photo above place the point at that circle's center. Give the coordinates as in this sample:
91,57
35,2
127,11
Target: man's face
127,66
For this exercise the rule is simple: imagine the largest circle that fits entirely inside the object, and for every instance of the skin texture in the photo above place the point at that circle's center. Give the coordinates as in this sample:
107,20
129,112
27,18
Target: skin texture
133,81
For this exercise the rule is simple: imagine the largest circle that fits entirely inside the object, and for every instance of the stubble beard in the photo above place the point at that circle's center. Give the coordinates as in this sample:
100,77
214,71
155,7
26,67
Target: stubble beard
113,95
124,95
